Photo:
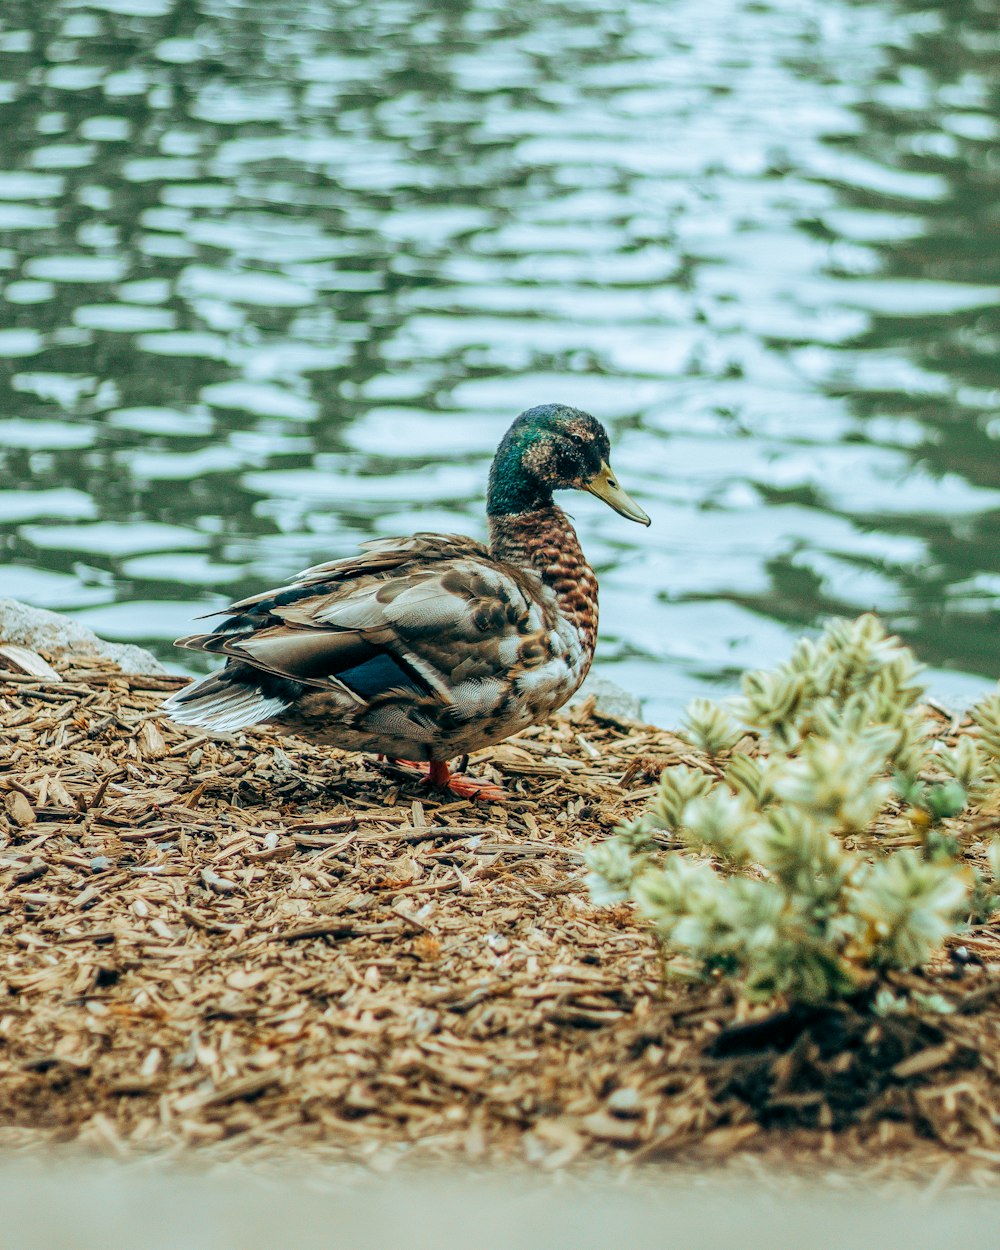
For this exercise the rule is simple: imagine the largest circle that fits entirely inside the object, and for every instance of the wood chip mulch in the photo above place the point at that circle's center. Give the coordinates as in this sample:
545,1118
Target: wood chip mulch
255,947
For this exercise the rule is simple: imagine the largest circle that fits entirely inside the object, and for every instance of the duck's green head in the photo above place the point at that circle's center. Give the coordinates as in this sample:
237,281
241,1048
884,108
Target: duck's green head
551,448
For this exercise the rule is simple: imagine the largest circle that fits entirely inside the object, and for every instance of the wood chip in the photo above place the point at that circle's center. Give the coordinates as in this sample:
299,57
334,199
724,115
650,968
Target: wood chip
21,660
241,1088
610,1128
924,1061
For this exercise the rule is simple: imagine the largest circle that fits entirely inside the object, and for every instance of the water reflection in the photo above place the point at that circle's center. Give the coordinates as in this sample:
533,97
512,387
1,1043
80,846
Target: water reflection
276,276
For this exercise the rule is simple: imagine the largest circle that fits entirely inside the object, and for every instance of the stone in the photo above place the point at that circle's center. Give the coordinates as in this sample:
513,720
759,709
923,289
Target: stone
19,809
55,636
611,702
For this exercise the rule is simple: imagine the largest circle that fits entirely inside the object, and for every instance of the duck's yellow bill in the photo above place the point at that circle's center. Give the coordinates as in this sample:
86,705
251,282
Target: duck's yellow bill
605,486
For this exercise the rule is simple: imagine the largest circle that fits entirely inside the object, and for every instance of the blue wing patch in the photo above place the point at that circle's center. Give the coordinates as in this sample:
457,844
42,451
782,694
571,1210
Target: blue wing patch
378,676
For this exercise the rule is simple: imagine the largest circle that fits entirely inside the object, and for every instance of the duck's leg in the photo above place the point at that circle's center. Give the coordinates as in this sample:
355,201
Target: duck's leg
438,773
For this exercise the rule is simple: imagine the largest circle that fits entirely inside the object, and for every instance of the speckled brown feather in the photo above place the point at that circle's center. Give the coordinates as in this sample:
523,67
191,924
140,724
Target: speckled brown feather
546,541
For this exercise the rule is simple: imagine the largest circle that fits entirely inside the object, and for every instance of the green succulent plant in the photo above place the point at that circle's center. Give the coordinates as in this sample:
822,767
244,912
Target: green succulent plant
774,874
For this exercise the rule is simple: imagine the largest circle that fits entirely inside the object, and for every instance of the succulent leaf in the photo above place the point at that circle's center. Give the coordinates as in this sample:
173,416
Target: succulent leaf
679,784
710,727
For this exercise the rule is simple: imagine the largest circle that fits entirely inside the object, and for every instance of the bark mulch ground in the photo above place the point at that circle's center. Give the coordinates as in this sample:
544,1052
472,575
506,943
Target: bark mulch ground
254,947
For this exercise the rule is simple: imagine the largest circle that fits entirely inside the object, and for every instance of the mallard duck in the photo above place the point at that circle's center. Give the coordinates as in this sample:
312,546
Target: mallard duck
428,647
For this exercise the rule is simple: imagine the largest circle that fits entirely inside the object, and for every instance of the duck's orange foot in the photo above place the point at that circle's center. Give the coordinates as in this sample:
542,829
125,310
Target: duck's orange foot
438,774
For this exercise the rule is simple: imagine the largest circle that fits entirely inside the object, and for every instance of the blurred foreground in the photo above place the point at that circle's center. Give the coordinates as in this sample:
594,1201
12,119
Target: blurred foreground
101,1205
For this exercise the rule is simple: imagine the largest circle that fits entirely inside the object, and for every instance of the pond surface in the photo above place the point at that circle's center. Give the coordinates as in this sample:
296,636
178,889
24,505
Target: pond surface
276,276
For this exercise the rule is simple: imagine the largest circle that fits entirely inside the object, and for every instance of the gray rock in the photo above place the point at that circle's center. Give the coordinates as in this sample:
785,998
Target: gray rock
611,701
55,635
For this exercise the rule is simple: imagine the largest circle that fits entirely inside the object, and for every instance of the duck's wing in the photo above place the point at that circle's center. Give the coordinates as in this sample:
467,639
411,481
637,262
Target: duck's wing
378,556
433,619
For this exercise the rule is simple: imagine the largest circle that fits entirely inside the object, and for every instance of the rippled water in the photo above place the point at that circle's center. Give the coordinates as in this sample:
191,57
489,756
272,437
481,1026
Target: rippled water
276,275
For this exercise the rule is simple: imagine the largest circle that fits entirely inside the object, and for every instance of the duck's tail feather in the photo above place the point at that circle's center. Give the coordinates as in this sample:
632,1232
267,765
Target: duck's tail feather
230,700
